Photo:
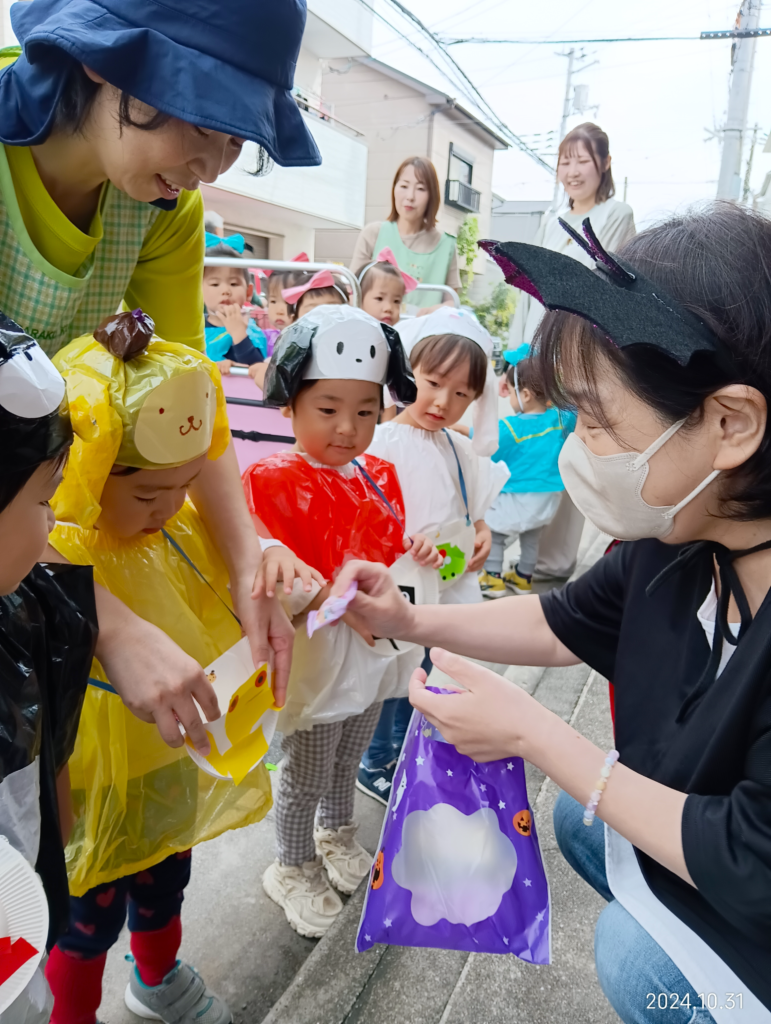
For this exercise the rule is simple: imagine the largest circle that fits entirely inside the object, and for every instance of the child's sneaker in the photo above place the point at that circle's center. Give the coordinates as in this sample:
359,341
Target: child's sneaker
305,895
491,585
346,860
181,998
376,782
518,581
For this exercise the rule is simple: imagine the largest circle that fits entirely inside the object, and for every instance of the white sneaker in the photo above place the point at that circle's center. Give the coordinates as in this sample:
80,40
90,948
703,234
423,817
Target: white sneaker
305,895
346,860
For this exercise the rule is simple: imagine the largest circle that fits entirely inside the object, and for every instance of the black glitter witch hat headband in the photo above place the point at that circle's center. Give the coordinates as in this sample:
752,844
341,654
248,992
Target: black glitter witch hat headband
616,298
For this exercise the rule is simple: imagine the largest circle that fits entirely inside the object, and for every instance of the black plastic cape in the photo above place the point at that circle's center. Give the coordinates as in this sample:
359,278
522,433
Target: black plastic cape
48,633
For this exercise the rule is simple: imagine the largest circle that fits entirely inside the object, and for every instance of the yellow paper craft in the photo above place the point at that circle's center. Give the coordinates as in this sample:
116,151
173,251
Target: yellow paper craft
240,738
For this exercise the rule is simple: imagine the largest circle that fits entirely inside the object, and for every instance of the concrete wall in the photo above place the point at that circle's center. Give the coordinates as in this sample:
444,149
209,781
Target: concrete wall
397,121
335,191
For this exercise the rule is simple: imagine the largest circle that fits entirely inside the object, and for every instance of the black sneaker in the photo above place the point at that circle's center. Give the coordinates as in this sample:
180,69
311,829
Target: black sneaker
376,782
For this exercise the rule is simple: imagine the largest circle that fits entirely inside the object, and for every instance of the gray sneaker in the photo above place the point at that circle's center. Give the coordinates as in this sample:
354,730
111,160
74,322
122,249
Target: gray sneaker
181,998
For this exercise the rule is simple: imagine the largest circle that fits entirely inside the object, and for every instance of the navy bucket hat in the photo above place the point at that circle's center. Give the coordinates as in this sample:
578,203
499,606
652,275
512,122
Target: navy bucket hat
226,66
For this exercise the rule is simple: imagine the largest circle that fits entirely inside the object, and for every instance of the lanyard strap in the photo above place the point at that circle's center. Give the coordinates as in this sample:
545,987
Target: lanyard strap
377,490
195,569
461,480
111,689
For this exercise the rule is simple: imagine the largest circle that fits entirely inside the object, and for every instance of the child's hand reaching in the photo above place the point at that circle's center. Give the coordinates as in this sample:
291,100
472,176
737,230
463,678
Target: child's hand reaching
482,544
224,366
422,550
233,321
279,563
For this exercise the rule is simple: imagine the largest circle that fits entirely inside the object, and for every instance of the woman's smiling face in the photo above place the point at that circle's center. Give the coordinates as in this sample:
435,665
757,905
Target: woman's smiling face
158,164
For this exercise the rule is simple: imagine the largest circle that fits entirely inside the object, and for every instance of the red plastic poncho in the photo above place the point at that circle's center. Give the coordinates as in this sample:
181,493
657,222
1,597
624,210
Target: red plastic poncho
324,517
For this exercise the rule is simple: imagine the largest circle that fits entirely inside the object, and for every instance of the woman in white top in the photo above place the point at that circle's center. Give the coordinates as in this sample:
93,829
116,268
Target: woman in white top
410,231
583,170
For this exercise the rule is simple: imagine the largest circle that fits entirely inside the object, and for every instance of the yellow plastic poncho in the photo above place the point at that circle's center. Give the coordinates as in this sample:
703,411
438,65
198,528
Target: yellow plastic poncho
136,800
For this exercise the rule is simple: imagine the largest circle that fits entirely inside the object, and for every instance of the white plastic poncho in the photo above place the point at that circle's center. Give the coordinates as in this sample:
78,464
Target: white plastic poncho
428,475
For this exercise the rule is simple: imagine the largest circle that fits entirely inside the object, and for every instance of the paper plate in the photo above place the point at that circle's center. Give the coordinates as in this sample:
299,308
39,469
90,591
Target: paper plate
23,915
240,738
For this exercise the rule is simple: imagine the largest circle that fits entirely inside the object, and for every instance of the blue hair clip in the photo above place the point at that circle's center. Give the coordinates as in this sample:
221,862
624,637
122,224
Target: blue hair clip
234,241
516,355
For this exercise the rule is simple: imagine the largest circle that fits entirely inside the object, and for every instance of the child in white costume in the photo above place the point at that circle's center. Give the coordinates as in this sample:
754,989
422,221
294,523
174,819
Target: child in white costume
448,482
327,372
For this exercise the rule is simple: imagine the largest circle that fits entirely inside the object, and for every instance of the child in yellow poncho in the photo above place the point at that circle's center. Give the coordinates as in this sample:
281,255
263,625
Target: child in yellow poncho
145,420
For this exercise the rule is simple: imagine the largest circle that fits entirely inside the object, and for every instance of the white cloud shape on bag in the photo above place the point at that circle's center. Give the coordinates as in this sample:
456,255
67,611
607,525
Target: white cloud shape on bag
457,866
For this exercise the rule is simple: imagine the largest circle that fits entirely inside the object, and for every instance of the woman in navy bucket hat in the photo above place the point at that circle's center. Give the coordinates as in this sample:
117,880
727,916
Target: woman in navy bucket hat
110,110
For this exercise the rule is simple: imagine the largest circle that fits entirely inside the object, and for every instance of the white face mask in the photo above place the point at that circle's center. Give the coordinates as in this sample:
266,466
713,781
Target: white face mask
608,489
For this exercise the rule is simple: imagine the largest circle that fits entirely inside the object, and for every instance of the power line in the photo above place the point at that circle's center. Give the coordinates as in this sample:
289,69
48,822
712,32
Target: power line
719,34
478,99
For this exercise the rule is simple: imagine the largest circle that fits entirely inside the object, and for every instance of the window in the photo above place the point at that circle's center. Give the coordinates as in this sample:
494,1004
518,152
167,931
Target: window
460,169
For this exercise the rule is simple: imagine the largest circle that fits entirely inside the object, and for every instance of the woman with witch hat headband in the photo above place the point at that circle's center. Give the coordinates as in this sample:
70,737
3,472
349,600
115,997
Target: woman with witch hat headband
665,350
110,116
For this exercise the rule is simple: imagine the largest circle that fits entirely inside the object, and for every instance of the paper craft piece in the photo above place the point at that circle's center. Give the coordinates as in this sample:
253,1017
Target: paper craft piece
13,956
333,609
23,923
240,738
458,864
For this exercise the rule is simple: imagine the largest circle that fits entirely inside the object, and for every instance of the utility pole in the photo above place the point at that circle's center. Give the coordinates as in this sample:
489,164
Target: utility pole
729,182
571,56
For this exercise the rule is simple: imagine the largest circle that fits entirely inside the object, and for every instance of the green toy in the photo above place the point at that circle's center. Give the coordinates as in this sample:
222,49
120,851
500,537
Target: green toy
454,563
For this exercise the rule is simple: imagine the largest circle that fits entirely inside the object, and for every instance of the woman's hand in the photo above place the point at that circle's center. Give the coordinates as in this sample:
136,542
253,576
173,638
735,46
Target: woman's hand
487,719
378,603
483,541
279,563
350,618
233,320
422,550
154,678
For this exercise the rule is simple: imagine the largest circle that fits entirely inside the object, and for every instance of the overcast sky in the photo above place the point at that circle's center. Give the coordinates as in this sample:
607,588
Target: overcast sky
656,100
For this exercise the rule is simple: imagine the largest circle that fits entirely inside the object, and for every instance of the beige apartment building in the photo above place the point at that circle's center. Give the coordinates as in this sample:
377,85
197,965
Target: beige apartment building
399,116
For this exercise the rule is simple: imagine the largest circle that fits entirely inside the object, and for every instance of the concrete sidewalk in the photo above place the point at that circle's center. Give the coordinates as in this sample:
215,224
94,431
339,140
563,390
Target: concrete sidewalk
243,947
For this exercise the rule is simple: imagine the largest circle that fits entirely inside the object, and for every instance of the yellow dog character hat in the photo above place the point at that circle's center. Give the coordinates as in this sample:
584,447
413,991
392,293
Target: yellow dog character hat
134,400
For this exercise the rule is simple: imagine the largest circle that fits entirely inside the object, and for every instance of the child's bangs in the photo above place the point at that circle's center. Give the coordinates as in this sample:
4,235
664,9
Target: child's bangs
444,353
568,353
375,274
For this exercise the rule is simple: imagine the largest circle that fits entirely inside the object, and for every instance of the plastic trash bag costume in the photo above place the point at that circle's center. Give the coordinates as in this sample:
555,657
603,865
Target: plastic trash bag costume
458,864
137,800
47,636
335,674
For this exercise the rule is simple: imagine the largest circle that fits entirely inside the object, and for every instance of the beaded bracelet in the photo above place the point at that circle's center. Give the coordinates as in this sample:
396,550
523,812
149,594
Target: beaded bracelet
591,808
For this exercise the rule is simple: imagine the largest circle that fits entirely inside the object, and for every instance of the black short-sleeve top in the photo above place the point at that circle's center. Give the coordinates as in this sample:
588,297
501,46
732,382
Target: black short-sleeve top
655,650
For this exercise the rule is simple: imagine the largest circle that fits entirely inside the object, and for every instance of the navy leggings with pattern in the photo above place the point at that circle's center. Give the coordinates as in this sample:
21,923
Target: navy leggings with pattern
152,899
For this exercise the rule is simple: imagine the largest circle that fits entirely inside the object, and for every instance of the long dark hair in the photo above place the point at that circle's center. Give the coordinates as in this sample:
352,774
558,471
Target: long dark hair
715,261
598,147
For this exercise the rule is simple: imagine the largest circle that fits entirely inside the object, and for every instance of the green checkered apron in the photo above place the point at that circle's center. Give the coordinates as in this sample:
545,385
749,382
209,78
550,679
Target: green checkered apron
54,307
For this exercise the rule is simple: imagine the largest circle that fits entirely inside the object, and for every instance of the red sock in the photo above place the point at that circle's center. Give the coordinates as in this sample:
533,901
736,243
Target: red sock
76,985
156,952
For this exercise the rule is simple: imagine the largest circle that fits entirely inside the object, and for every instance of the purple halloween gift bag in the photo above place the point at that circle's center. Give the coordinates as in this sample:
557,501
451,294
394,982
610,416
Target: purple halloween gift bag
458,865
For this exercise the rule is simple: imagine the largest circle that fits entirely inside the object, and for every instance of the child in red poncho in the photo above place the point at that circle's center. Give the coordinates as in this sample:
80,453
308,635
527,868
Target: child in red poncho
335,504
